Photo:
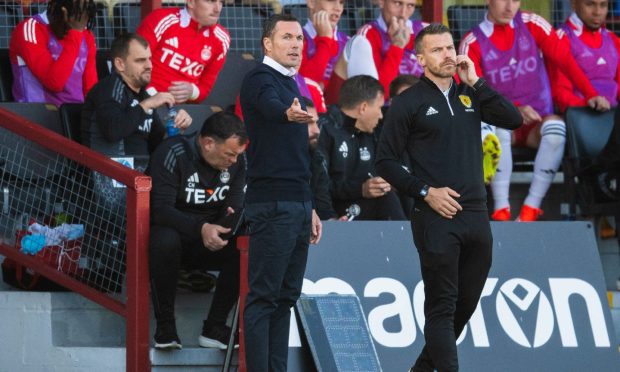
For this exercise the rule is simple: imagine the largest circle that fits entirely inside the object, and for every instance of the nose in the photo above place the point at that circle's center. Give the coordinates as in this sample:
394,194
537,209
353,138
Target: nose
149,63
403,12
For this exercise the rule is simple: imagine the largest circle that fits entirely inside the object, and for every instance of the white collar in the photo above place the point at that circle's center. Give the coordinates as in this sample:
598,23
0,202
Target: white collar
290,72
577,24
487,26
311,31
185,18
44,18
383,26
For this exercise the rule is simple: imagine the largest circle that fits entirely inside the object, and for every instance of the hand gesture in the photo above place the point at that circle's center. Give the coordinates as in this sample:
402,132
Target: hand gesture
442,201
322,25
466,70
181,91
530,116
317,229
399,32
158,100
211,236
296,114
375,187
599,103
78,21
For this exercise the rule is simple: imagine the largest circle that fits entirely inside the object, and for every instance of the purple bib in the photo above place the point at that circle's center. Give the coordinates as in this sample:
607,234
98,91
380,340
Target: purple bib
342,41
409,64
599,64
27,88
518,73
303,87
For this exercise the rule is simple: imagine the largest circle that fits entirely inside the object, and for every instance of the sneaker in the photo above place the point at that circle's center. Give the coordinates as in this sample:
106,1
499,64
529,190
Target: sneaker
166,337
529,214
608,184
501,215
491,150
196,280
217,337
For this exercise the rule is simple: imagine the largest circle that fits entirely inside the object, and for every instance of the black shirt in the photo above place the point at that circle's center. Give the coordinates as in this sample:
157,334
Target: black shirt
187,191
441,139
114,123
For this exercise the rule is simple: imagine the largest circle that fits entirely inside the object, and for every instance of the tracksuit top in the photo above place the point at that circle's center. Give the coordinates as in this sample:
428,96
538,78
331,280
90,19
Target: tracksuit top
184,51
46,69
326,50
441,137
188,192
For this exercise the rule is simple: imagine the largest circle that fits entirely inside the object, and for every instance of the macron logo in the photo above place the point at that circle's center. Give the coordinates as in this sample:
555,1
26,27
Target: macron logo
601,61
431,111
173,42
344,149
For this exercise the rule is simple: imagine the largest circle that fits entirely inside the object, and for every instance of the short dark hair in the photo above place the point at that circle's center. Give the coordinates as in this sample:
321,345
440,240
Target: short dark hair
222,126
270,25
400,81
358,89
74,8
120,45
432,29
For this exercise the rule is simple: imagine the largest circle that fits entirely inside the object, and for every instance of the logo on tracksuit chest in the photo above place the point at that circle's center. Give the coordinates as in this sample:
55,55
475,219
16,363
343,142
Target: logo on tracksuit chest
195,194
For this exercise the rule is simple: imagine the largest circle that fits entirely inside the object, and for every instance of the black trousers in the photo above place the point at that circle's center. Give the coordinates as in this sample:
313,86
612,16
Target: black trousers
279,238
169,252
455,258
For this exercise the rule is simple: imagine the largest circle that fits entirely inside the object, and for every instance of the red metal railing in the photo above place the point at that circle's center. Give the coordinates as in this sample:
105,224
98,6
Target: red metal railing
137,233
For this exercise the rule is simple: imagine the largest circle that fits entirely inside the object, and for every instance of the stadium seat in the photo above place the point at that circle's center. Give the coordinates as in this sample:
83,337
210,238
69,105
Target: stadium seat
228,83
71,120
6,77
462,18
583,145
198,112
103,63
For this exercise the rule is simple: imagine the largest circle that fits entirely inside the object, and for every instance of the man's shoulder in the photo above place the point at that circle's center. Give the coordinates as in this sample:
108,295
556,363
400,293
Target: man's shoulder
32,30
110,86
535,21
158,15
369,30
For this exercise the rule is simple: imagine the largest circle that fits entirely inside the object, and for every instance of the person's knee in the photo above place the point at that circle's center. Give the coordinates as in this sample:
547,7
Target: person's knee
553,134
165,244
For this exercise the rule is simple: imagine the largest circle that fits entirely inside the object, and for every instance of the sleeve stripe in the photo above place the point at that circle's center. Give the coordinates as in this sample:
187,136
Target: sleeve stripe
29,31
538,21
364,30
469,40
223,38
164,24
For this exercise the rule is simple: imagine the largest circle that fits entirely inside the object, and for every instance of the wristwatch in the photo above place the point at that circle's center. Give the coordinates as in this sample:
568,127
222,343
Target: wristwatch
424,191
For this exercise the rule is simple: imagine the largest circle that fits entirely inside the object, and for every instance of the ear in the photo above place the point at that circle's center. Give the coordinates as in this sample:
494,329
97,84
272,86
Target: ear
361,109
267,44
421,60
119,64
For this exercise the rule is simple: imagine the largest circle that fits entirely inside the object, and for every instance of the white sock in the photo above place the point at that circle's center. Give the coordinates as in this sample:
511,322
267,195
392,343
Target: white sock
358,54
548,159
500,185
486,129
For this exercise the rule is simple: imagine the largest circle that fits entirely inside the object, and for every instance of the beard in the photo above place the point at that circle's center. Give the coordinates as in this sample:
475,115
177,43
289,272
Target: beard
442,71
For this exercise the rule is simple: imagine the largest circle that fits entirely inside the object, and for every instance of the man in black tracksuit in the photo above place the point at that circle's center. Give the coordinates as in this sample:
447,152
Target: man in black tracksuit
198,182
348,143
436,123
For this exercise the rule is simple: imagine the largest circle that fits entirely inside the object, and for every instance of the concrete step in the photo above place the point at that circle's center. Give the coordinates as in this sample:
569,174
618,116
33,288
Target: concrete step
190,359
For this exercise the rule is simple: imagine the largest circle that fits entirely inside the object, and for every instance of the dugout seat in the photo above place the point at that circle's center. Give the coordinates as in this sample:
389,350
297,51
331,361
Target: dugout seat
462,18
228,83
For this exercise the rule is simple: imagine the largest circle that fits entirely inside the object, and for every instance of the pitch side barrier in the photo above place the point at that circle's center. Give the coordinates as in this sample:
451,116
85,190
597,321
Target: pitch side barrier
92,214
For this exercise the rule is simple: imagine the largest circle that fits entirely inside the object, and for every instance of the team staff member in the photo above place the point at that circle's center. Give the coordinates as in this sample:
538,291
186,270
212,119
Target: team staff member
118,117
197,181
189,48
53,54
507,48
348,142
279,207
437,124
596,51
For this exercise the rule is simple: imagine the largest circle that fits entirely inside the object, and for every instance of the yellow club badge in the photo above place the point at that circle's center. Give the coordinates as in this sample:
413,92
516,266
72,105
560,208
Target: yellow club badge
465,100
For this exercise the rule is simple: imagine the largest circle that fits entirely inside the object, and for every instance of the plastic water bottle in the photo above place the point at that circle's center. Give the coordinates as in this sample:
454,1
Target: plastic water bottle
170,128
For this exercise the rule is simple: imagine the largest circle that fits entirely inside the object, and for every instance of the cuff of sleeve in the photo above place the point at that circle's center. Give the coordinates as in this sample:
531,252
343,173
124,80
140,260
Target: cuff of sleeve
479,84
195,93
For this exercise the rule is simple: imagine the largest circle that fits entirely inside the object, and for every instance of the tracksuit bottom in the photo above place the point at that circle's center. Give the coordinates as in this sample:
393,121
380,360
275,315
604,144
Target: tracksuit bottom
455,258
169,252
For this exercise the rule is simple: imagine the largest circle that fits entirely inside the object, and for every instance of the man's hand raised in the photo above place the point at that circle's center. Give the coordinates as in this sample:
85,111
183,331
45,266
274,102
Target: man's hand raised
297,114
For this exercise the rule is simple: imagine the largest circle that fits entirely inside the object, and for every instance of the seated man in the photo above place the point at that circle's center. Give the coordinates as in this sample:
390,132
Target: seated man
53,54
118,118
323,43
189,48
348,143
517,71
198,182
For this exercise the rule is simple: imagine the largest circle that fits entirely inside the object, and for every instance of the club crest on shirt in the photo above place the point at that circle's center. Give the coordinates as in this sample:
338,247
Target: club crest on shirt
465,100
364,154
206,53
224,176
